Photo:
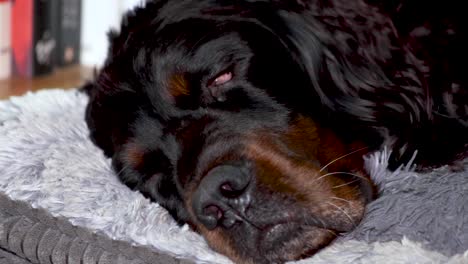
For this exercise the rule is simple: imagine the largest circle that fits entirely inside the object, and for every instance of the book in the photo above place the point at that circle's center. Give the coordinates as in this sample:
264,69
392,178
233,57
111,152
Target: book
68,33
5,39
33,38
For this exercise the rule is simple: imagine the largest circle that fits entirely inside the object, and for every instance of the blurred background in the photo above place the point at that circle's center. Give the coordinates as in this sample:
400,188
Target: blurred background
98,17
54,43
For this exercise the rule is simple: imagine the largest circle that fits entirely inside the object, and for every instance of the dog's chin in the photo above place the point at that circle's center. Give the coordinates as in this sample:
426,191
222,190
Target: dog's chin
275,243
288,242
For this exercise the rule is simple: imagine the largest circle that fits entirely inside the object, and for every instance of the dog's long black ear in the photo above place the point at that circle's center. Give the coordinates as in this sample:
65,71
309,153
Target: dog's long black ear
98,123
356,62
109,115
113,104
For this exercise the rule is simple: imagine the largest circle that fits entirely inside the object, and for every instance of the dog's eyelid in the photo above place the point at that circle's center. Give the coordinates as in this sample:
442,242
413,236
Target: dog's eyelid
221,78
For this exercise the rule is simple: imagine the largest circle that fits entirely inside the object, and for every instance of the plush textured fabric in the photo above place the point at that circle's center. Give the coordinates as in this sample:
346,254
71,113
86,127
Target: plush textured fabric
34,235
47,162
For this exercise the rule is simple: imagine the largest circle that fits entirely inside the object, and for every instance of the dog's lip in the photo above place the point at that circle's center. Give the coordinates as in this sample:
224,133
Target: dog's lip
277,232
288,237
272,229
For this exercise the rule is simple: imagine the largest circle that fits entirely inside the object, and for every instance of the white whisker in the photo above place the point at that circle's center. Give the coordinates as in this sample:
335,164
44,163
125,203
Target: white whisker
343,211
344,184
341,172
123,168
341,199
332,232
331,162
315,222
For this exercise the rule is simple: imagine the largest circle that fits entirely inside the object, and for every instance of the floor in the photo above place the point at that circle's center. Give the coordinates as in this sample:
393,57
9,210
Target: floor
69,77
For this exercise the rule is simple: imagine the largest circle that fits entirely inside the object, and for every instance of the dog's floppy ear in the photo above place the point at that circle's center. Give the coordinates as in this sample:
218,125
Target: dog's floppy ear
349,49
113,105
97,121
109,116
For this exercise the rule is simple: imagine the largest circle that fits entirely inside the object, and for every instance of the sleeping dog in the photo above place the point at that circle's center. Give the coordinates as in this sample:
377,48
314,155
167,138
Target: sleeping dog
248,119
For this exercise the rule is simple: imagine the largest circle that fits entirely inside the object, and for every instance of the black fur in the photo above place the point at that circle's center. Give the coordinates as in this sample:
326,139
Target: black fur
380,72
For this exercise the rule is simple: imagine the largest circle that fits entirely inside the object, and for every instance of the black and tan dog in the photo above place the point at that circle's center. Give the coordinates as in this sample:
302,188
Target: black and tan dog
248,119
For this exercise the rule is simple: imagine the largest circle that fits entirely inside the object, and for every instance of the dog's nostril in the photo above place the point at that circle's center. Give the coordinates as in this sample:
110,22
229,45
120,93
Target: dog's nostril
217,201
214,211
211,216
226,187
228,191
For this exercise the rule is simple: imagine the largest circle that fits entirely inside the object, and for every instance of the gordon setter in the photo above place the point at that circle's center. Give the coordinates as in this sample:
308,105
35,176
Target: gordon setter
248,119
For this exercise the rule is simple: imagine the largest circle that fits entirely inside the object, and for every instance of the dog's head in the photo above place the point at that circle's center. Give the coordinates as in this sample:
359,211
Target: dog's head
227,114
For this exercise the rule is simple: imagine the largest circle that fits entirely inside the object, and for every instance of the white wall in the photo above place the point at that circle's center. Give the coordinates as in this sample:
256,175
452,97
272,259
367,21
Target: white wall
127,4
98,17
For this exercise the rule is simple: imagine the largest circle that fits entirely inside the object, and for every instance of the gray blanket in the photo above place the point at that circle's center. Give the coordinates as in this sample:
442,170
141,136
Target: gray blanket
60,202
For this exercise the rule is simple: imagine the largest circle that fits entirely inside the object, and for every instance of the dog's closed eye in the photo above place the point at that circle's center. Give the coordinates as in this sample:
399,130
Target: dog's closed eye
215,85
220,79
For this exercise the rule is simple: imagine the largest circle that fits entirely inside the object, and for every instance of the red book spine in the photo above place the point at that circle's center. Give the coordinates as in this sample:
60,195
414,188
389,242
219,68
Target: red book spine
22,37
33,41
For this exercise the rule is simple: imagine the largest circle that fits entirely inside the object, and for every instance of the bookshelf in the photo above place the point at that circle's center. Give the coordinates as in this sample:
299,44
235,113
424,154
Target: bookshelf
78,24
67,78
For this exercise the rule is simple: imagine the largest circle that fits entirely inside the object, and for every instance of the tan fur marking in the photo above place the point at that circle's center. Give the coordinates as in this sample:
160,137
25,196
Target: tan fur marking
178,85
134,154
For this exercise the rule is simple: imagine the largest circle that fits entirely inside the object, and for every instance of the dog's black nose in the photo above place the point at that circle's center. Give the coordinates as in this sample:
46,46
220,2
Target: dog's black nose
222,196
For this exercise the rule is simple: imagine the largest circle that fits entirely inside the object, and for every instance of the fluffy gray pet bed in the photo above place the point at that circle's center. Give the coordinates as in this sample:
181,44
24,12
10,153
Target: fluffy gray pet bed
60,202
